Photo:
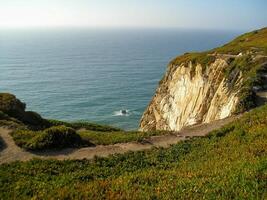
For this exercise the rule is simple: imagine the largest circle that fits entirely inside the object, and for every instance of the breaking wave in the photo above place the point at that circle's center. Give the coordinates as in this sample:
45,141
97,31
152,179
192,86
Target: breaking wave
125,113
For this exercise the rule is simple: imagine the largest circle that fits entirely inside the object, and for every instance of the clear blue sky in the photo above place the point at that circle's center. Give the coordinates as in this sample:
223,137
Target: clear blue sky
205,14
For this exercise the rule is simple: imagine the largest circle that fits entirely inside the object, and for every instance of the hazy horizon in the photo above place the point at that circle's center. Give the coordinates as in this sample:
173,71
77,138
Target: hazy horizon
209,15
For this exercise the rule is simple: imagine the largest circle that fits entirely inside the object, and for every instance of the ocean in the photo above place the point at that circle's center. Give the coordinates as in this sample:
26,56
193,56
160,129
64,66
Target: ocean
94,74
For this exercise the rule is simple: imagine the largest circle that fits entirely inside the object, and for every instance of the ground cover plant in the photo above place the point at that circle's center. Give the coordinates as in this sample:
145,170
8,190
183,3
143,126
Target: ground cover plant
84,125
107,138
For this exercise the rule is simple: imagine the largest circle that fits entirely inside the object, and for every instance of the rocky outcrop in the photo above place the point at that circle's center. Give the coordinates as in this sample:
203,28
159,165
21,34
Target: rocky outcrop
11,107
203,87
185,98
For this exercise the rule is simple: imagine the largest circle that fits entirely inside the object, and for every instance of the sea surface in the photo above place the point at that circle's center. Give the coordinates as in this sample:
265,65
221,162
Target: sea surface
93,74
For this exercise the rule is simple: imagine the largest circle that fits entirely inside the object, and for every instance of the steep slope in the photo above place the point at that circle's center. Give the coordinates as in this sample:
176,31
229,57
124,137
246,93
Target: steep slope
203,87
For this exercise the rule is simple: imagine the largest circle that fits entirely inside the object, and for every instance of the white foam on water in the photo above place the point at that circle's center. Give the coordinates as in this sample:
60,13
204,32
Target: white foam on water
120,113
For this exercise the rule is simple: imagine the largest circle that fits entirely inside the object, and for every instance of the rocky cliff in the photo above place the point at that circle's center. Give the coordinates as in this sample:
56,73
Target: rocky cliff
202,87
13,110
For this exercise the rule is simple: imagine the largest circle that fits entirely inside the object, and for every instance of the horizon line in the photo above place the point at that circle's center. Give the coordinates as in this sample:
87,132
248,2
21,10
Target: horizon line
127,27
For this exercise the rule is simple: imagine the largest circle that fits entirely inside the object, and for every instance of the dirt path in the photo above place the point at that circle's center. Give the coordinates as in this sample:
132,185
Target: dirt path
11,152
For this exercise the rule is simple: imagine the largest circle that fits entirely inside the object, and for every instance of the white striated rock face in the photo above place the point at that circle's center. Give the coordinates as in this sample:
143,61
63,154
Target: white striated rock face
190,95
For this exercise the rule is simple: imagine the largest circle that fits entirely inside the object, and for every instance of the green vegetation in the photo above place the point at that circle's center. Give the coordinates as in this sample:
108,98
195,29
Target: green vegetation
54,137
84,125
255,41
230,163
106,138
195,58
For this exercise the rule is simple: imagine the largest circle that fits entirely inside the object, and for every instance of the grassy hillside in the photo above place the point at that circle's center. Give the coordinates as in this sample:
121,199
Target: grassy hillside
230,163
254,42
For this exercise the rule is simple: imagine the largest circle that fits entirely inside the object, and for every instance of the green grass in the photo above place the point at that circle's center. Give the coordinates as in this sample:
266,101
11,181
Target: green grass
230,163
106,138
195,58
84,125
255,41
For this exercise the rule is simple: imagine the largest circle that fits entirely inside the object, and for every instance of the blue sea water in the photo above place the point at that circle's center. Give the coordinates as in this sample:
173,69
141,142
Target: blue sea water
92,74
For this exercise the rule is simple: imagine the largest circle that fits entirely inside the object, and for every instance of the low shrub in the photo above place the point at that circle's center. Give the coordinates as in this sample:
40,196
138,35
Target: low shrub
54,137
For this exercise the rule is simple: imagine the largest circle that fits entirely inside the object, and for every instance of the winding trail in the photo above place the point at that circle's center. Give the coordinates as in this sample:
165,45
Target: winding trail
11,152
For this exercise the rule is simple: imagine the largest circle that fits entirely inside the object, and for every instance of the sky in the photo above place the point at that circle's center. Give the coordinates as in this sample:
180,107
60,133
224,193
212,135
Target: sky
204,14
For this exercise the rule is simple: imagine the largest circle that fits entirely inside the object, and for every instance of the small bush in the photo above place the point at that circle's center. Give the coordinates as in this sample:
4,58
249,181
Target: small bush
61,136
54,137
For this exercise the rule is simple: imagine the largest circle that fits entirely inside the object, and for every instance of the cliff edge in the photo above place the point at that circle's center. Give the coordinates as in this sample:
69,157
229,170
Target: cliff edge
203,87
